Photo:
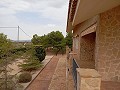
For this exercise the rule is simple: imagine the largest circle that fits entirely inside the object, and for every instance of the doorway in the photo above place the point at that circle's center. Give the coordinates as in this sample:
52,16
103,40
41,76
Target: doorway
87,51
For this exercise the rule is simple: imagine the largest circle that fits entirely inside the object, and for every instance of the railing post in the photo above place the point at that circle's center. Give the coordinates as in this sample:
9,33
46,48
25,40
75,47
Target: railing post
71,60
67,65
88,79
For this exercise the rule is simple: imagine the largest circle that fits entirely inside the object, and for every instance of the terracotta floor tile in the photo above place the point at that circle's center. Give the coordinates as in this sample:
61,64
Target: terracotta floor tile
42,81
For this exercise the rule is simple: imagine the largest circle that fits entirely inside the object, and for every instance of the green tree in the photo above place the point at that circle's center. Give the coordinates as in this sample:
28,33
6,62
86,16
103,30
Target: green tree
7,82
36,39
40,40
69,40
5,45
44,41
53,39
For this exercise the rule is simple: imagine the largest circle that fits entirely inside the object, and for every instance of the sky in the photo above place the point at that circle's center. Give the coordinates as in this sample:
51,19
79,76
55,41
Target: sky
33,16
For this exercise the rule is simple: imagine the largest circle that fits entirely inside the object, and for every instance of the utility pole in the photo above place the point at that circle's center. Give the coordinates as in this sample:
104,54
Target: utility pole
18,33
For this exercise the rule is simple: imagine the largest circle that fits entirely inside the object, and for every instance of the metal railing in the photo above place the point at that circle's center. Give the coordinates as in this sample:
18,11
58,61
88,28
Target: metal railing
74,72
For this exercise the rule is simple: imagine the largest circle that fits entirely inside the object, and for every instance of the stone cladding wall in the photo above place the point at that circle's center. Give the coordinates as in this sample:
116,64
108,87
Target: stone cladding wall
87,51
88,79
108,45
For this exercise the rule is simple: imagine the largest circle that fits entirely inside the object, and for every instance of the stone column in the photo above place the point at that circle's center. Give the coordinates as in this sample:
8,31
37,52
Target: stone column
88,79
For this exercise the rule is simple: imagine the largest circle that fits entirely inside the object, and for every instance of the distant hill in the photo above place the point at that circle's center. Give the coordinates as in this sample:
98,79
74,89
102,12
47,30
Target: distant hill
21,40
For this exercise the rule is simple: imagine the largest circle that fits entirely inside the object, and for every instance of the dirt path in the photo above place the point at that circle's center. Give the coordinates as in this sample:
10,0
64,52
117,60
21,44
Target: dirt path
43,80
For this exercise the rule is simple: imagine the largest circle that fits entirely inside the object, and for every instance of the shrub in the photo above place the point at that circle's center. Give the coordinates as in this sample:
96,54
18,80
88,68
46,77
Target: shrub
39,52
11,83
31,65
20,49
25,77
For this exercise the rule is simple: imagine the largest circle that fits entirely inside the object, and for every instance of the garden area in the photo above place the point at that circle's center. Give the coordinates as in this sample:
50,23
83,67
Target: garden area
17,62
20,62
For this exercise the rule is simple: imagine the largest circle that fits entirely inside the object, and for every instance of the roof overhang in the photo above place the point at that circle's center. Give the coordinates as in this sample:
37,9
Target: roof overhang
88,8
69,26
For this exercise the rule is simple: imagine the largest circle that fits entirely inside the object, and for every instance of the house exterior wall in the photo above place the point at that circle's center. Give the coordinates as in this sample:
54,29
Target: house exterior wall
76,44
78,30
108,45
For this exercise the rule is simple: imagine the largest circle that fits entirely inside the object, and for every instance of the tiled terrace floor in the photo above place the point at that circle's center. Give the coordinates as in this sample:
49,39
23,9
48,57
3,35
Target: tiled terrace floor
42,81
59,78
58,81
